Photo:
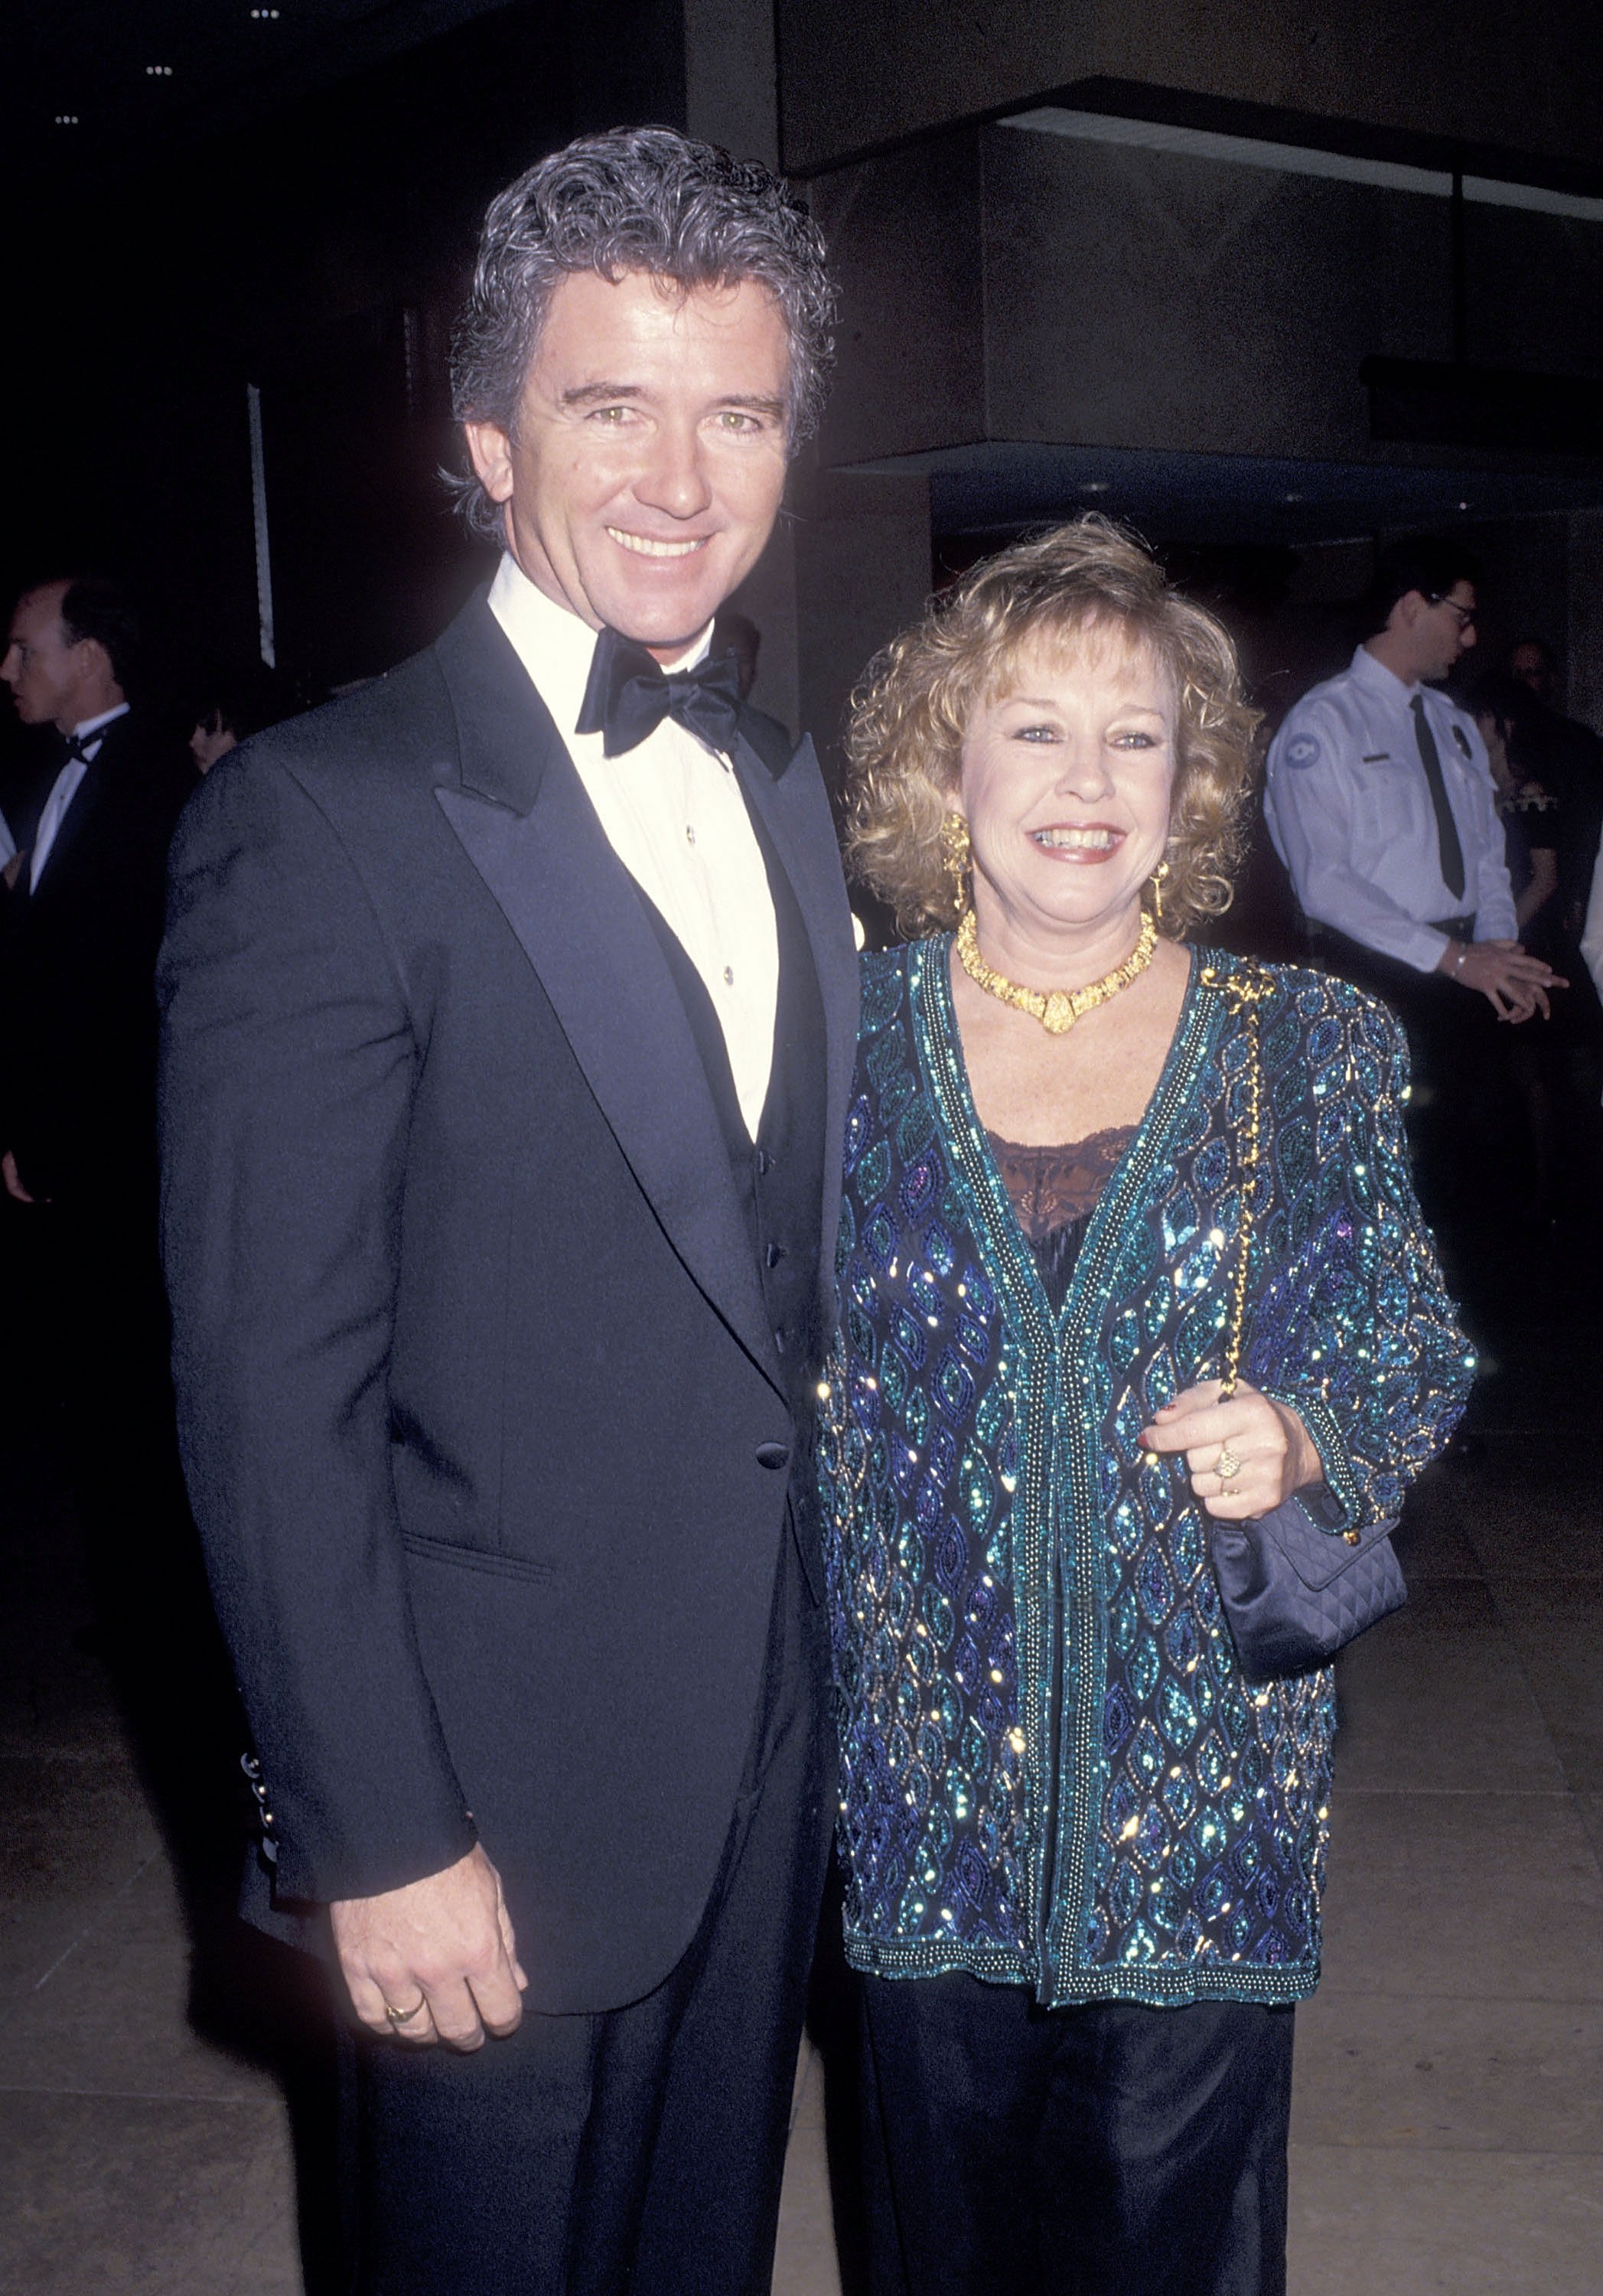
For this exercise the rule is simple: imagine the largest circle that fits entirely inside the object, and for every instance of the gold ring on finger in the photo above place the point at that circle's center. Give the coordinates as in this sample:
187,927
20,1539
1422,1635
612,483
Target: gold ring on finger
1227,1463
405,2016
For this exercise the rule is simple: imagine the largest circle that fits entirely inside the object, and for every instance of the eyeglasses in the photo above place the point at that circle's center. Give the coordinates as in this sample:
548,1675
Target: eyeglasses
1465,614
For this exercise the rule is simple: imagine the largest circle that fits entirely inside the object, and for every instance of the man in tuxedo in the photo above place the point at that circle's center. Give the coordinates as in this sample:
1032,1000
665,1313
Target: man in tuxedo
509,1011
77,1059
78,1067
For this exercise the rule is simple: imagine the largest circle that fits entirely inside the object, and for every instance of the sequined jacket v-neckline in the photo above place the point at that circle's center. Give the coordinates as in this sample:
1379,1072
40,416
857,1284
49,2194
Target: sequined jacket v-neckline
1054,1772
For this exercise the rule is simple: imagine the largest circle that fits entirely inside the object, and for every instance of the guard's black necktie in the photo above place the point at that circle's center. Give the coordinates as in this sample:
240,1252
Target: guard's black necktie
1447,828
628,695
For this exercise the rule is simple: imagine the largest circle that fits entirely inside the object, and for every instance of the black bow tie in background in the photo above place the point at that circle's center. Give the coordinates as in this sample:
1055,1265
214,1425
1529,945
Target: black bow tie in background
628,695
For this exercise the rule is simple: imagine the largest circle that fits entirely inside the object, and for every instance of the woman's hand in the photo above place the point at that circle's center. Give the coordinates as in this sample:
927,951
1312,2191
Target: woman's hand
1267,1451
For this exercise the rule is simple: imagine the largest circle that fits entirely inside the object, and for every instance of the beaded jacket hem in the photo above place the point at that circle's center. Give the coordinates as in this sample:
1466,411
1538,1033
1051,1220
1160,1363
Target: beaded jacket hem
1054,1772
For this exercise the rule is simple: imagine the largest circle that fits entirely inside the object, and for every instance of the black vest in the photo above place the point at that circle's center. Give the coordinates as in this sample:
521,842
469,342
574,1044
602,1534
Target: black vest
779,1177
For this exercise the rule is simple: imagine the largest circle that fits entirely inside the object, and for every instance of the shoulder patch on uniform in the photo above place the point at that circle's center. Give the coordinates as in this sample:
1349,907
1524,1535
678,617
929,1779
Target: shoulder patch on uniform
1303,750
1461,738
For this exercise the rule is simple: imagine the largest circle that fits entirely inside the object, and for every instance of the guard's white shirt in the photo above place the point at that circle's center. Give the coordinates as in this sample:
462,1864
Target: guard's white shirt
65,788
1349,811
675,816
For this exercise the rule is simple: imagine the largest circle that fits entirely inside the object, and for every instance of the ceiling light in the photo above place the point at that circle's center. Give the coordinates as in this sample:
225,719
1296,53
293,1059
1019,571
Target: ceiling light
158,71
1291,498
1463,505
1093,486
263,15
66,120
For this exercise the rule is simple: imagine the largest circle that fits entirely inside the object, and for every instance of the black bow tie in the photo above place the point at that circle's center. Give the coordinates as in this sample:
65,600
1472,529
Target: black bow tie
78,745
628,695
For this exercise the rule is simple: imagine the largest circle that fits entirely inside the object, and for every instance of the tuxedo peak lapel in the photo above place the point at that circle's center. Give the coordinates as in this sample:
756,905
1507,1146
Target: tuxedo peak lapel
505,734
770,742
532,834
795,807
74,829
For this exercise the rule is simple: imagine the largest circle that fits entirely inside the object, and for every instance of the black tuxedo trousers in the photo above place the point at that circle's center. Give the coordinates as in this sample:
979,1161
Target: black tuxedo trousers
642,2148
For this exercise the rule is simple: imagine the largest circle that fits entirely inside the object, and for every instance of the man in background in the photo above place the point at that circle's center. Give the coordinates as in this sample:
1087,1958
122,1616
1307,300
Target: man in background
81,928
78,1068
1566,757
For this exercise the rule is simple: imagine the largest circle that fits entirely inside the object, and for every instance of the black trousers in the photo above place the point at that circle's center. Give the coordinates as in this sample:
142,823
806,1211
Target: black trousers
1106,2150
640,2148
1461,1119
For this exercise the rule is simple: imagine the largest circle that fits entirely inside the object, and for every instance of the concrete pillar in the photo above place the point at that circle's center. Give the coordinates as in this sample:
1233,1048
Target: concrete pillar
732,98
849,563
848,567
863,573
731,77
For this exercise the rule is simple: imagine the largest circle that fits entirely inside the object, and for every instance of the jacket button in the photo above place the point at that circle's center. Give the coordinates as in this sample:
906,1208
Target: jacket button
773,1454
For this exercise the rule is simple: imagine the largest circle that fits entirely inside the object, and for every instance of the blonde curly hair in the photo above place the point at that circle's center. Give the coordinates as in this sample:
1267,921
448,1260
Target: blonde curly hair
910,715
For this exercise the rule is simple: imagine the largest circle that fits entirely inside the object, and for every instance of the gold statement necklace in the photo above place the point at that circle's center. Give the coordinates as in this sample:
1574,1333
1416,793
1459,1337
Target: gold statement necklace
1056,1009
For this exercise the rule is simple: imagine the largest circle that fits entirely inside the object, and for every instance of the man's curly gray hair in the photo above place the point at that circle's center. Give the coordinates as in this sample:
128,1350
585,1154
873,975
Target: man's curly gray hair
634,199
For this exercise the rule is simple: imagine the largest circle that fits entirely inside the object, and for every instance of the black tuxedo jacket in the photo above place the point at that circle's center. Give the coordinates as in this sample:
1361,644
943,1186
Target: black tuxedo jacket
78,1014
480,1408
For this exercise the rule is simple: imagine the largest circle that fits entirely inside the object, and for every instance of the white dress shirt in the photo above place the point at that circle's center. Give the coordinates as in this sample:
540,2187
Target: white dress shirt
1349,811
675,816
65,788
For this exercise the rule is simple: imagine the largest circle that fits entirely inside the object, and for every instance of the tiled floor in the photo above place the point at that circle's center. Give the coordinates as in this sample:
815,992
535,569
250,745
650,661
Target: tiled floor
1448,2132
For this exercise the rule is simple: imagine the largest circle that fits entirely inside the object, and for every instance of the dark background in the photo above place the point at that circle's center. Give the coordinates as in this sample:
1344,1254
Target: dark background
1031,322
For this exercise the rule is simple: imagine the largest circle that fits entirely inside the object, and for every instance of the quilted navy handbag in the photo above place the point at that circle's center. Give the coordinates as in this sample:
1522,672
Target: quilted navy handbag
1294,1593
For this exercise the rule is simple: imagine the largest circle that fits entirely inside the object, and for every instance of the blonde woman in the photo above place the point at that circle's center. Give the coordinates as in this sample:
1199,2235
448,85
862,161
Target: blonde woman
1082,1851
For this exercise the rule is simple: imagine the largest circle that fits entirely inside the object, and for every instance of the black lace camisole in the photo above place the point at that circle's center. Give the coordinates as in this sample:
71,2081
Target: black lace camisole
1054,1192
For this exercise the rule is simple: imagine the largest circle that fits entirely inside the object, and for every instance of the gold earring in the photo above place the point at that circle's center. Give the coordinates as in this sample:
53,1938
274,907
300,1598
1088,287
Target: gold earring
1158,876
955,850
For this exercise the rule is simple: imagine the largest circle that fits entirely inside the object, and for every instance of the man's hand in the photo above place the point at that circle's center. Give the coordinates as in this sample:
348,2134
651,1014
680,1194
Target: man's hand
1268,1451
13,1181
443,1949
1515,982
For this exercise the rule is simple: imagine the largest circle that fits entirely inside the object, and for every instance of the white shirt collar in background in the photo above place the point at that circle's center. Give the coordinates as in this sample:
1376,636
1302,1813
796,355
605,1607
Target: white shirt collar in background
65,788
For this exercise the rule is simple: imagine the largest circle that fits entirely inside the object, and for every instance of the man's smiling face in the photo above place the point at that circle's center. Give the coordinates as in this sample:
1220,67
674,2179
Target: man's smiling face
649,458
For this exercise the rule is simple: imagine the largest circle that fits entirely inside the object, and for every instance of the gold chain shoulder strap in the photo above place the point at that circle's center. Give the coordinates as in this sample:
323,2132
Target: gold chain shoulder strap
1246,990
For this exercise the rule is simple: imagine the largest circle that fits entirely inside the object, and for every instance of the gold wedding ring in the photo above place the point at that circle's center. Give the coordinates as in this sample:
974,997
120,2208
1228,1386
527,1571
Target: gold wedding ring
1226,1465
405,2016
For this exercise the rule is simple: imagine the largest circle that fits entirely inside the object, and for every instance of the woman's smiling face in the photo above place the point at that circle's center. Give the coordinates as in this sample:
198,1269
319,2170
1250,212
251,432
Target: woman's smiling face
1066,781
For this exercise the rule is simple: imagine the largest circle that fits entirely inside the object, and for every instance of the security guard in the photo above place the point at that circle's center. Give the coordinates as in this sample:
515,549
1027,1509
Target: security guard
1379,800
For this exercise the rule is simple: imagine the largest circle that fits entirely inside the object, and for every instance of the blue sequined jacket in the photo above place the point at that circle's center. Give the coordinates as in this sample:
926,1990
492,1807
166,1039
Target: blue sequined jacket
1054,1773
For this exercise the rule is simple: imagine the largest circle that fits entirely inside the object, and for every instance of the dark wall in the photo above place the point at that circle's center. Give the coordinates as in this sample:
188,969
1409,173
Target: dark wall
1006,284
319,253
1149,299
